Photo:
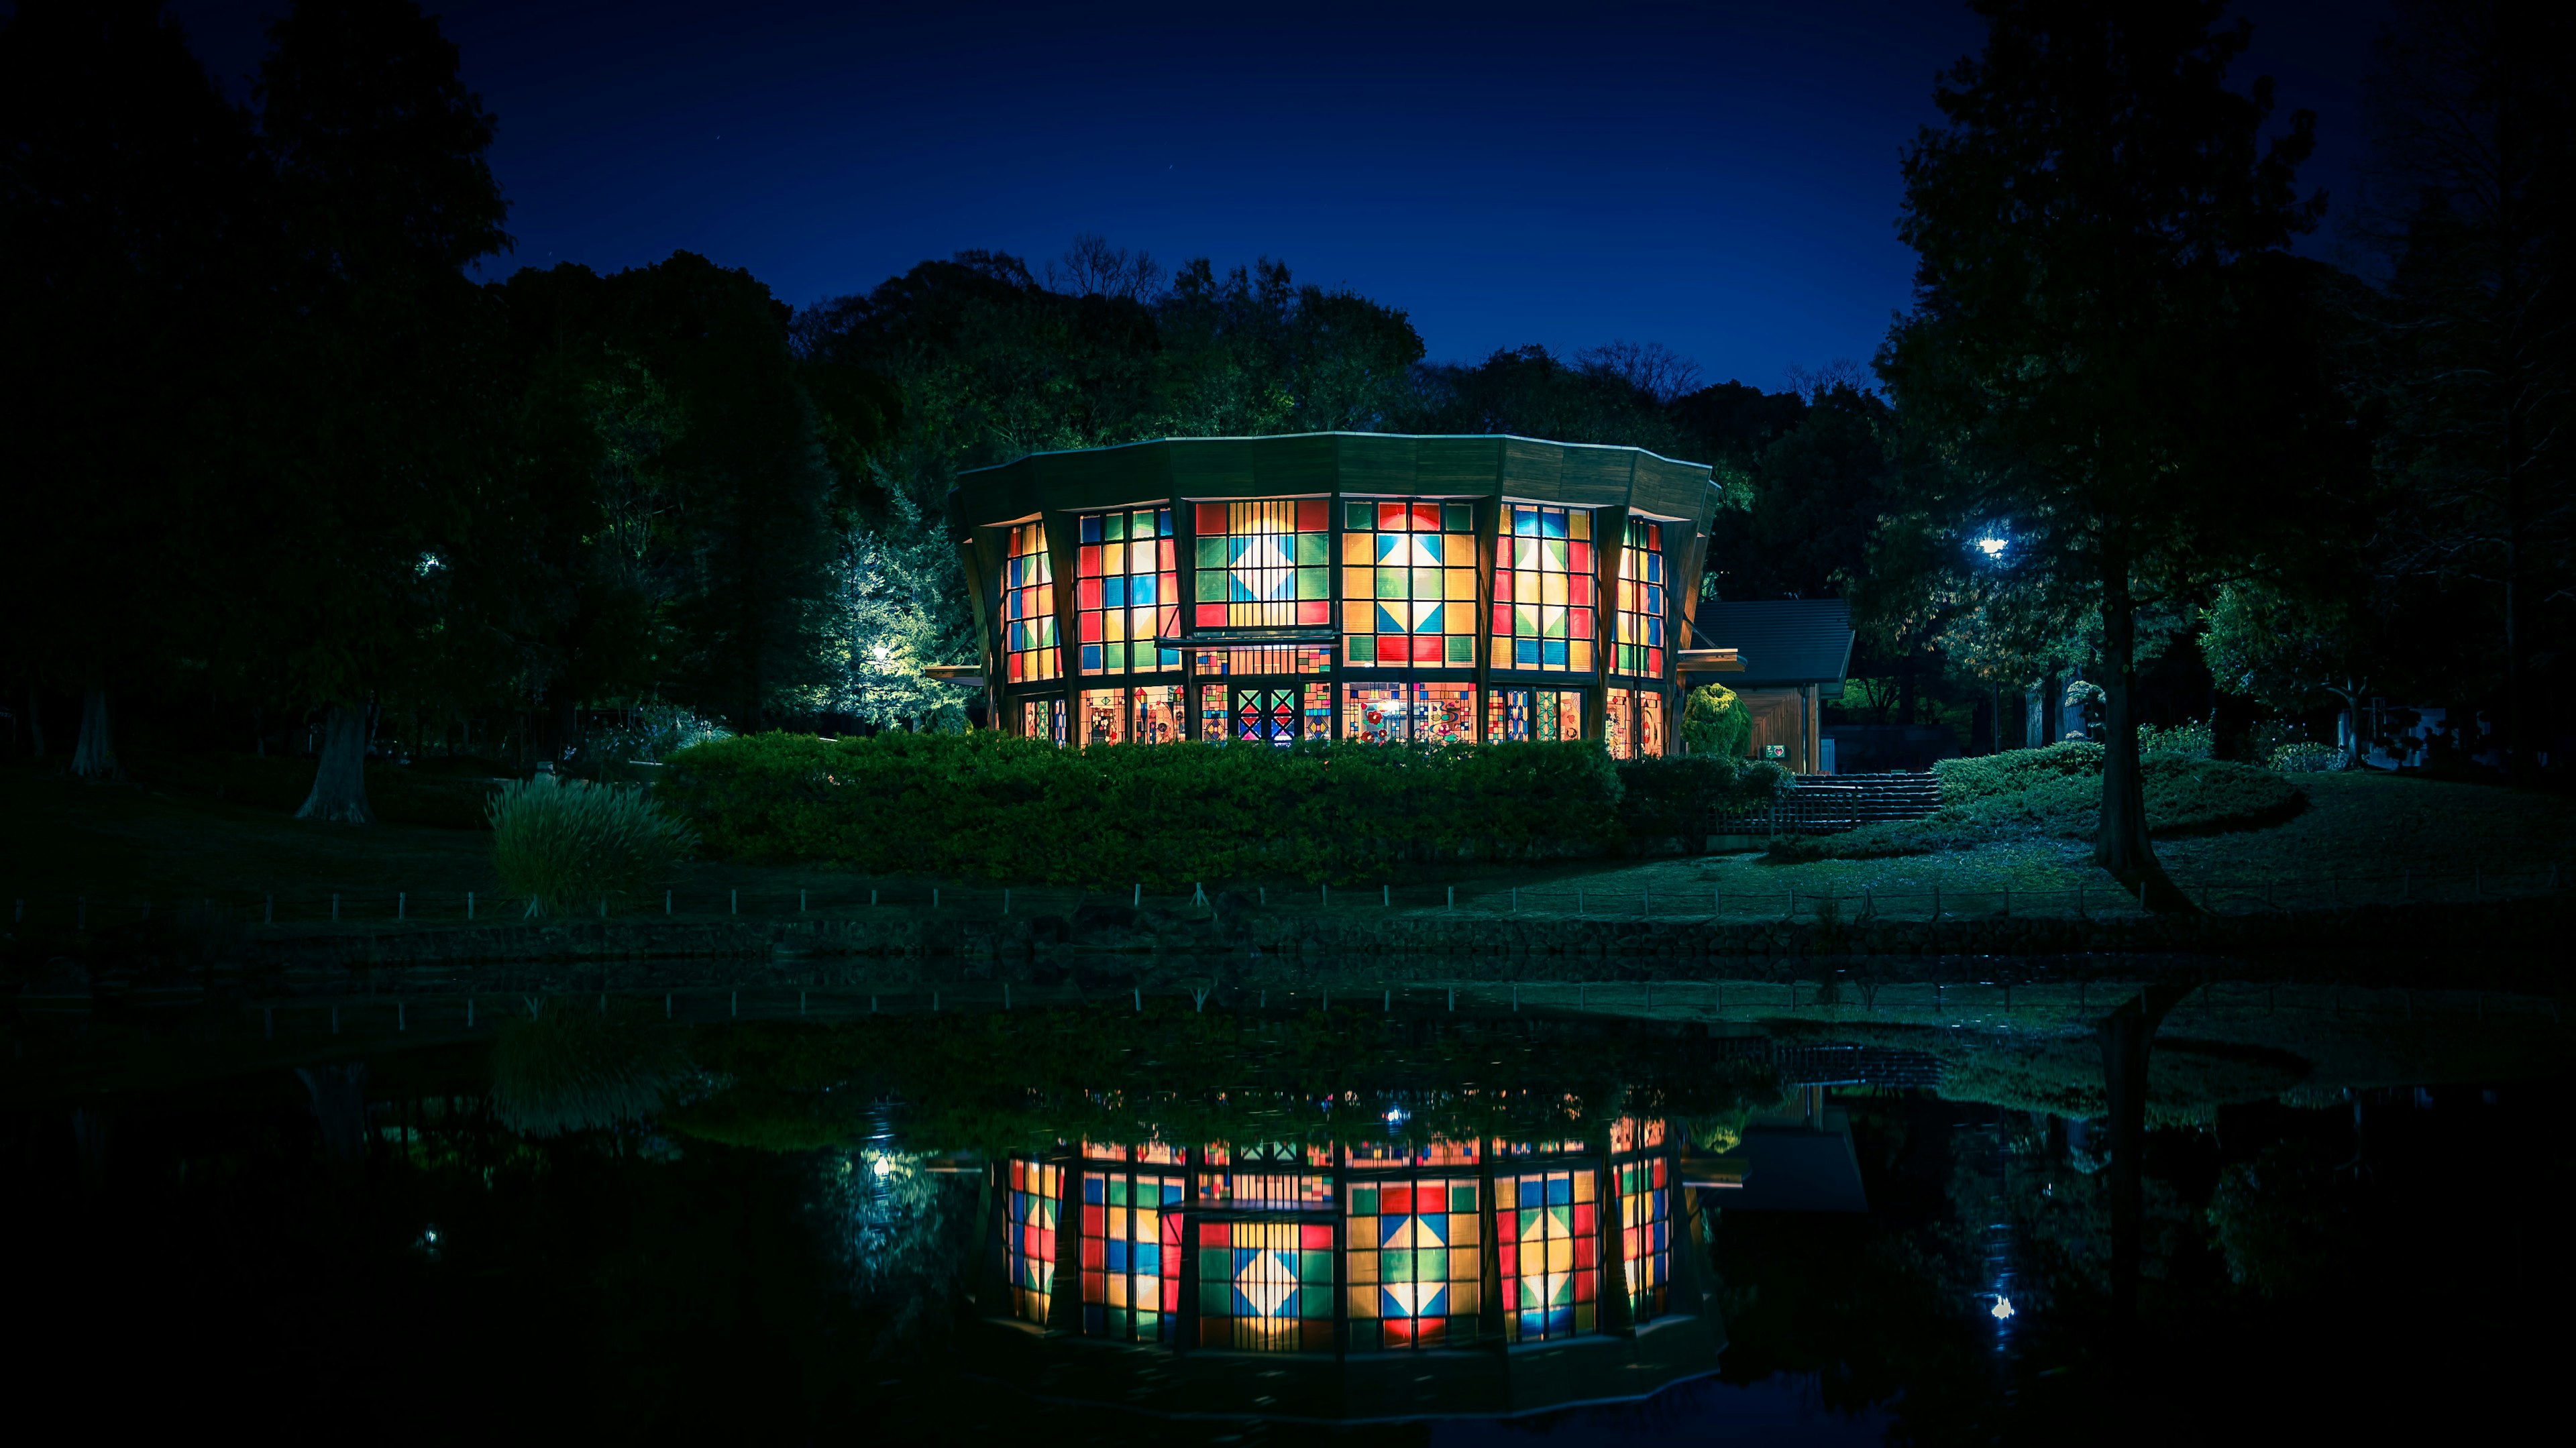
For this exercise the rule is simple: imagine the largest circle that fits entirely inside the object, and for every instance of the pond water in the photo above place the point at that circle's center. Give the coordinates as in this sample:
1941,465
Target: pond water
1178,1221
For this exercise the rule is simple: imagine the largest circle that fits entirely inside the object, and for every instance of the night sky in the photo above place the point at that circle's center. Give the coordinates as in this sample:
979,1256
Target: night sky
1718,178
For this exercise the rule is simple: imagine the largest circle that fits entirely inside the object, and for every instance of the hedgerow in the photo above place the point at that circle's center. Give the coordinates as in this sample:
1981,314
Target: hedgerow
2056,792
995,807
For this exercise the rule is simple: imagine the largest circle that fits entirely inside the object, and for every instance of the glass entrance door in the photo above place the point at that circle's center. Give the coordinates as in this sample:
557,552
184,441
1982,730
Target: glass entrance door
1266,715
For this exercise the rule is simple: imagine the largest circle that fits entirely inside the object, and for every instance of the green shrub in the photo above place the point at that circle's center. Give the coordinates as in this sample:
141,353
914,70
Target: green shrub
996,807
1661,798
2056,792
2307,757
562,844
568,1068
2183,741
1715,722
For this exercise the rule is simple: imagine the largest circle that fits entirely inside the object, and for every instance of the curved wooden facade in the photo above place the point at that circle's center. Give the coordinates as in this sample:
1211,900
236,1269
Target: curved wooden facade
1362,586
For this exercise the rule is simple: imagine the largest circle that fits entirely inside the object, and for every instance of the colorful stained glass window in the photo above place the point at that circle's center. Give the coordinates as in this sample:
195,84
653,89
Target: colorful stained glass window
1650,723
1214,717
1042,719
1543,587
1415,1255
1126,592
1618,724
1393,713
1377,713
1439,1151
1131,1255
1028,608
1215,662
1641,602
1266,1286
1519,716
1266,716
1033,1196
1548,1245
1409,584
1159,715
1267,1176
1104,716
1645,1234
1263,565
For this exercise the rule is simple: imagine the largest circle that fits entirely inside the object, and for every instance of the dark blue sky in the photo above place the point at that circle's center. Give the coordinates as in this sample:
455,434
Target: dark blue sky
1720,178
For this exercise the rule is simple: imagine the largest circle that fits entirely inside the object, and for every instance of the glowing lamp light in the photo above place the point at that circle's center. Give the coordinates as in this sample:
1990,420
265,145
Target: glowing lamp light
1991,547
882,1167
2002,1309
1396,1116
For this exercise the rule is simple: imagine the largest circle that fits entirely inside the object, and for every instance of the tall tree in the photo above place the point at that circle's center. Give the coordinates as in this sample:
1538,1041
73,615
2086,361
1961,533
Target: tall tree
128,201
2110,360
2474,109
382,423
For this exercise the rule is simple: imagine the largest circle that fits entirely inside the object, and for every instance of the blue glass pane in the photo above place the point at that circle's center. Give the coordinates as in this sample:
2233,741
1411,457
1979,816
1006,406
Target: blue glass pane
1525,653
1141,590
1113,592
1555,651
1163,522
1091,657
1091,530
1091,1187
1552,523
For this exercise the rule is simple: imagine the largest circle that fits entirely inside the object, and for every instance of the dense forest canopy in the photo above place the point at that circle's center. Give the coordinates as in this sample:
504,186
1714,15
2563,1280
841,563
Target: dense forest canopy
285,472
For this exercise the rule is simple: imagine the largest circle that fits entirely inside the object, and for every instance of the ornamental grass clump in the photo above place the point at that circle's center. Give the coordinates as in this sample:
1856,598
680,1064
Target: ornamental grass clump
568,844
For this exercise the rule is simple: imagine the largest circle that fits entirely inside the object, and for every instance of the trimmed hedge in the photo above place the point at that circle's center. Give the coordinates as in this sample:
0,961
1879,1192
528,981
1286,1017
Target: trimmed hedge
2056,792
987,805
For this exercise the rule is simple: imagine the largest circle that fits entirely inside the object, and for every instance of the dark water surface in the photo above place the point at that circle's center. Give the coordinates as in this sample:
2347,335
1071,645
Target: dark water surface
1159,1221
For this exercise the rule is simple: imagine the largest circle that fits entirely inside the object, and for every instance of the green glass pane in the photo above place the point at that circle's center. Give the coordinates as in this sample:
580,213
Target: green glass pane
1316,1301
1216,1296
1314,550
1117,1191
1363,1201
1212,584
1359,517
1216,1264
1462,1199
1113,529
1362,648
1462,649
1315,1267
1143,526
1457,517
1397,1265
1391,582
1311,583
1117,660
1432,1264
1211,552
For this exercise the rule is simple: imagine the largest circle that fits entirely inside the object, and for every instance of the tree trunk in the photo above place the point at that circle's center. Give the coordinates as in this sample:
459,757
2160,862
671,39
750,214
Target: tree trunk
2121,846
95,756
2125,1035
340,783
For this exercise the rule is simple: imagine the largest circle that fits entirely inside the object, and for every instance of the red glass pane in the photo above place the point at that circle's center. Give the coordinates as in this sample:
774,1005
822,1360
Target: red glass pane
1578,623
1310,516
1016,661
1578,590
1315,611
1655,536
1395,1201
1655,662
1578,558
1315,1238
1093,1253
1163,558
1583,1223
1211,518
1091,628
1211,615
1427,649
1426,517
1212,1234
1086,561
1390,517
1086,593
1393,648
1503,620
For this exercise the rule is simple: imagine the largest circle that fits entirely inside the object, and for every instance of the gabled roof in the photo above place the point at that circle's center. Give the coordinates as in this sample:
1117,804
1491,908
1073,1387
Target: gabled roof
1782,641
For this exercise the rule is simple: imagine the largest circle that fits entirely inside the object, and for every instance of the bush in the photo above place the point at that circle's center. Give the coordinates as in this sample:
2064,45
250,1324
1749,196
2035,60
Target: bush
2056,792
1715,722
1001,808
568,843
1661,798
2307,757
2183,741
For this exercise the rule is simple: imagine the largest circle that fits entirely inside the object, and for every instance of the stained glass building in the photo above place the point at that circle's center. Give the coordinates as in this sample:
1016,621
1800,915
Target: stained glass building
1344,1251
1359,586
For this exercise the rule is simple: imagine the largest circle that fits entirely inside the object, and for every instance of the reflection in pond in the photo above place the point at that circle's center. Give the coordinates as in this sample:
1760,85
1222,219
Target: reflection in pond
1209,1225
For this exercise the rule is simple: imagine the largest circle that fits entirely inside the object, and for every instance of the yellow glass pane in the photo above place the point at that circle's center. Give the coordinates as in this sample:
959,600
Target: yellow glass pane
1578,525
1551,588
1507,1193
1464,1293
1458,550
1358,582
1364,1265
1359,615
1583,1186
1363,1302
1118,1289
1459,583
1463,1229
1560,1254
